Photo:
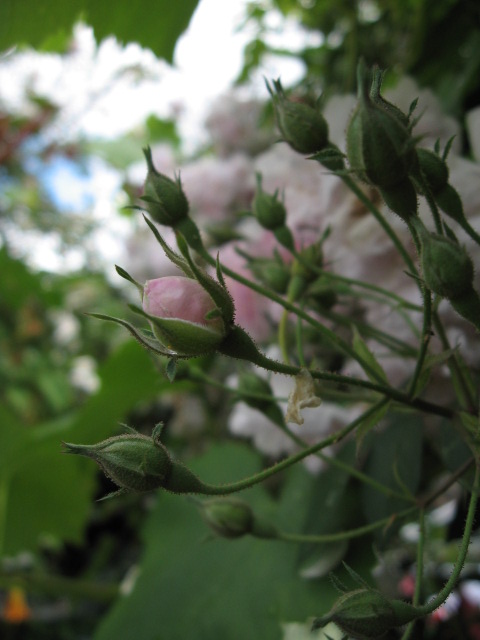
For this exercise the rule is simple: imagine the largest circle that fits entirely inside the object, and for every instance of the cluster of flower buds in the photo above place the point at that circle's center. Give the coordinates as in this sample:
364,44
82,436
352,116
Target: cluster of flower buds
380,148
367,614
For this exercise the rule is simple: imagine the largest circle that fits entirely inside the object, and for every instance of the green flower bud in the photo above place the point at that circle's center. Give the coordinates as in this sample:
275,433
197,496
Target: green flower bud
447,267
401,198
380,101
268,210
434,170
140,463
367,614
303,127
468,306
164,198
380,149
450,203
272,273
234,518
132,461
228,517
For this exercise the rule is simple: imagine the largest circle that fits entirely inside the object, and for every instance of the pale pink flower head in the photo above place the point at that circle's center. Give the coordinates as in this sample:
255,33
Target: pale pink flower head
179,309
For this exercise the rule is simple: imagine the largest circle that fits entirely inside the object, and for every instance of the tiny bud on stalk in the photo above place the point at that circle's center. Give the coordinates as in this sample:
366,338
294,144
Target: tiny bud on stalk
164,198
303,127
268,210
234,518
367,614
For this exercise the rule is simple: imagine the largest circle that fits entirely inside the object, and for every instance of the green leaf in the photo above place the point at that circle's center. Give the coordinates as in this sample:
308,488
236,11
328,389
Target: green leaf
395,460
370,423
43,493
156,24
189,589
367,356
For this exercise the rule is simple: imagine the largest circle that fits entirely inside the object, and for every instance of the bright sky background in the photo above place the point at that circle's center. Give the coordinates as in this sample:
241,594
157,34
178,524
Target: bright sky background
108,90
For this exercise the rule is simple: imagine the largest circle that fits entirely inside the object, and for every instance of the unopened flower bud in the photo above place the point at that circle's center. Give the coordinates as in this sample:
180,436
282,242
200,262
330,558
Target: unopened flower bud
379,100
273,273
401,198
303,127
184,317
132,461
367,614
380,149
268,209
433,169
164,198
234,518
447,267
228,517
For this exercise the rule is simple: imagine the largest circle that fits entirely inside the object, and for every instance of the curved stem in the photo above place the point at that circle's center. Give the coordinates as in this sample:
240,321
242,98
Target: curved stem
341,535
440,598
239,345
246,483
425,341
352,185
419,574
337,462
459,373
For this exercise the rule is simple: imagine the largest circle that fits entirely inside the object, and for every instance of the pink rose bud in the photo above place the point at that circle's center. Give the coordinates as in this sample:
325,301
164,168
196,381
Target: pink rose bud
184,317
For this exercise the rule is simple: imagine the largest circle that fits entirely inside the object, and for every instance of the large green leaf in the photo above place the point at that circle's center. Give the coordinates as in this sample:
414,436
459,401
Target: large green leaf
45,493
191,588
156,24
394,460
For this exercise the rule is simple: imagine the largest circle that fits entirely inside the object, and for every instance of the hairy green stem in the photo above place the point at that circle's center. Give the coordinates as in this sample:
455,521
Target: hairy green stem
246,483
336,462
341,535
425,340
443,594
352,185
239,345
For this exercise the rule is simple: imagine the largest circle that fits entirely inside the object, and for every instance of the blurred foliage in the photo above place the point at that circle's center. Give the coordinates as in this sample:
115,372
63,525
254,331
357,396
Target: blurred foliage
156,24
436,41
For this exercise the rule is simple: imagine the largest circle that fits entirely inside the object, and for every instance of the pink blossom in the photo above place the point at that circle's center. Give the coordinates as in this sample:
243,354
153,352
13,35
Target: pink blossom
182,299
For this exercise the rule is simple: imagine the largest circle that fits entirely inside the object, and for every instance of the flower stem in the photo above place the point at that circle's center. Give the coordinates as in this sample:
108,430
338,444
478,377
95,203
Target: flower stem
341,535
352,185
443,594
233,487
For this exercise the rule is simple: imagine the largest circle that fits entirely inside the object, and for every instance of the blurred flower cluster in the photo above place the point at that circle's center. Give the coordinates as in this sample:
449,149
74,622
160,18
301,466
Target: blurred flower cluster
221,184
